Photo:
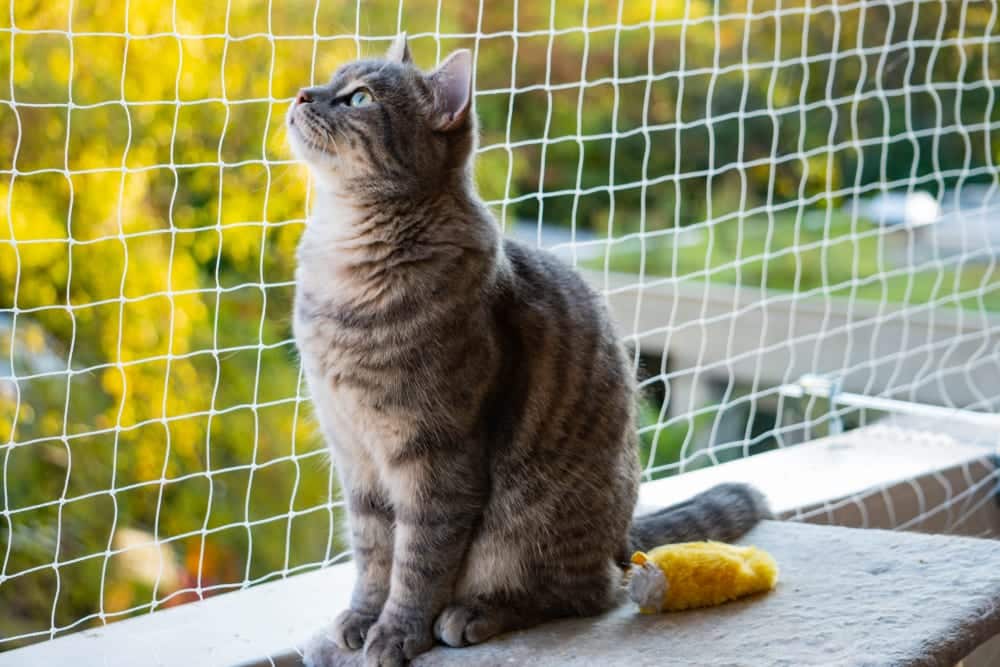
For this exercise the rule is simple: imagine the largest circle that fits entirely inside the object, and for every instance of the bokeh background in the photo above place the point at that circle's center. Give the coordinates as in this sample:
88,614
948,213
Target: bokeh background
155,442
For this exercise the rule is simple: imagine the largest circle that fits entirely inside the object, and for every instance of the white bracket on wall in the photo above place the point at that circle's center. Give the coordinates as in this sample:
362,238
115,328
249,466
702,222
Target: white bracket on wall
828,387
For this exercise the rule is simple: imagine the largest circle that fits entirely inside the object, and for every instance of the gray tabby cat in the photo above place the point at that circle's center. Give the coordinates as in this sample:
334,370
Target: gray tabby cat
472,390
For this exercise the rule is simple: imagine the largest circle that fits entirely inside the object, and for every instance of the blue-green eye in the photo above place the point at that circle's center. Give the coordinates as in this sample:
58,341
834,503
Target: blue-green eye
361,97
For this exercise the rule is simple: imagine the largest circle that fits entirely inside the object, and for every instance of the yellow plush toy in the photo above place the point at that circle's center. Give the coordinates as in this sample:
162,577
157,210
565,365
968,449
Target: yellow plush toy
698,574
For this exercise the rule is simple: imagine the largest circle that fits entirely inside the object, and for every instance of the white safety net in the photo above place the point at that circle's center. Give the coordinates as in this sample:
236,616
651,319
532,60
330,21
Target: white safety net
765,191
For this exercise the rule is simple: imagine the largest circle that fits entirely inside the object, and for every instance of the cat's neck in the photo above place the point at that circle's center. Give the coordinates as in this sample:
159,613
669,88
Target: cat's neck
350,238
335,220
343,219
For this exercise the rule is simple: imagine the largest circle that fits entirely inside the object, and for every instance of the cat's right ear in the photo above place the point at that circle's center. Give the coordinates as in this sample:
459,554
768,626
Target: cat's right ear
399,50
452,86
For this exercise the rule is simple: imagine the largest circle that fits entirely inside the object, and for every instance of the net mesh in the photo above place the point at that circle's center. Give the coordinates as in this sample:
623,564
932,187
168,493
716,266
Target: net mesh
763,190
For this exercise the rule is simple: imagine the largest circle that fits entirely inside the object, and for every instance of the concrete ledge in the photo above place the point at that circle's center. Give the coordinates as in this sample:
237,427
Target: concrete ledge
846,597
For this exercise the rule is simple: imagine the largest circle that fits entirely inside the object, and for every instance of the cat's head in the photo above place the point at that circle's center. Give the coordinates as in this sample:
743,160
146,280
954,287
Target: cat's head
384,125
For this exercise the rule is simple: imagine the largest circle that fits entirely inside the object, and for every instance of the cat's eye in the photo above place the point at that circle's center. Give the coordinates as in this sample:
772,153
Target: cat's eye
360,97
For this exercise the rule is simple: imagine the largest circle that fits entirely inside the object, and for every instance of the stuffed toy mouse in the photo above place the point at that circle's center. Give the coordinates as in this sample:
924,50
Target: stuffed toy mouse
698,574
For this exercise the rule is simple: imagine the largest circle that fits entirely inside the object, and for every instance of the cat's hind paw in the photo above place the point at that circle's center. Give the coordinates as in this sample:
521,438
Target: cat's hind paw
462,625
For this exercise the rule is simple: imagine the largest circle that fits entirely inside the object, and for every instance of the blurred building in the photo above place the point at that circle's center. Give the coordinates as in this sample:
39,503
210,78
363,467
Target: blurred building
963,222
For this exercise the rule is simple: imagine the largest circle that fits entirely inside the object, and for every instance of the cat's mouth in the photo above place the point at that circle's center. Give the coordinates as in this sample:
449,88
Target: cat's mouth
310,134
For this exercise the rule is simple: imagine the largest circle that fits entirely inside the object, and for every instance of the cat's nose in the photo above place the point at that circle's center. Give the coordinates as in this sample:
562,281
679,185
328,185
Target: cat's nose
303,97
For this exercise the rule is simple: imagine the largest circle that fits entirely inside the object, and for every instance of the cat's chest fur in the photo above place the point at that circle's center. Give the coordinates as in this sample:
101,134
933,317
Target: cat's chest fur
348,365
353,411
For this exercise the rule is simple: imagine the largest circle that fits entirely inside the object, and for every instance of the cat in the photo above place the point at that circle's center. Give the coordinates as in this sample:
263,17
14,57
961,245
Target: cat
478,404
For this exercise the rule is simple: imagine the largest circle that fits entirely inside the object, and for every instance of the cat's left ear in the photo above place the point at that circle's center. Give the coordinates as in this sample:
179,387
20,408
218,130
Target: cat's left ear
452,86
399,50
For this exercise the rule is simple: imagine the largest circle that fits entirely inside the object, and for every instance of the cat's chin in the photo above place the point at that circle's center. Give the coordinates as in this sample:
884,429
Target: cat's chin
314,156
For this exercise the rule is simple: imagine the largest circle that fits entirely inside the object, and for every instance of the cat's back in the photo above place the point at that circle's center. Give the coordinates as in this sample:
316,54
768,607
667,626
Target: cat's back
575,379
565,469
544,284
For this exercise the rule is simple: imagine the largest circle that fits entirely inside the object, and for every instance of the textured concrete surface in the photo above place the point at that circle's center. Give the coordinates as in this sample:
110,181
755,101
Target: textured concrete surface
846,597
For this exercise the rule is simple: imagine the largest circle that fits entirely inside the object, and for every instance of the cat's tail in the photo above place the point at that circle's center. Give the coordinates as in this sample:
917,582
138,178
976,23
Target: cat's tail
723,513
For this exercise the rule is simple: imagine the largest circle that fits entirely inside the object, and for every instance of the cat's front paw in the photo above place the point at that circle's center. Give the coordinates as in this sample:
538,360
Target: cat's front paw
322,651
350,629
394,642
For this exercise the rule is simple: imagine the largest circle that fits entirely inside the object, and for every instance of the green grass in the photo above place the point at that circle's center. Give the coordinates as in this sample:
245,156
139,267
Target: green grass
817,254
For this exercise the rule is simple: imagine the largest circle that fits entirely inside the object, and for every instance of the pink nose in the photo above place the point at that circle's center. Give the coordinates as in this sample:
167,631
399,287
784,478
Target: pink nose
303,97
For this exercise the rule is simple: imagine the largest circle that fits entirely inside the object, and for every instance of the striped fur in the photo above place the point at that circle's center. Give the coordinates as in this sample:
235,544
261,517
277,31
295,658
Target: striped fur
475,397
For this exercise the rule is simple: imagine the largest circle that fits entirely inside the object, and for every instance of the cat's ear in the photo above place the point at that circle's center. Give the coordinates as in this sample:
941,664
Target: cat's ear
399,50
452,86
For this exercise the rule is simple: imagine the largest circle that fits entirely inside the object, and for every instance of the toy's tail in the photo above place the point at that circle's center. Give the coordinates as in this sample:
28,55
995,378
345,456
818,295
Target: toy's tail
723,513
